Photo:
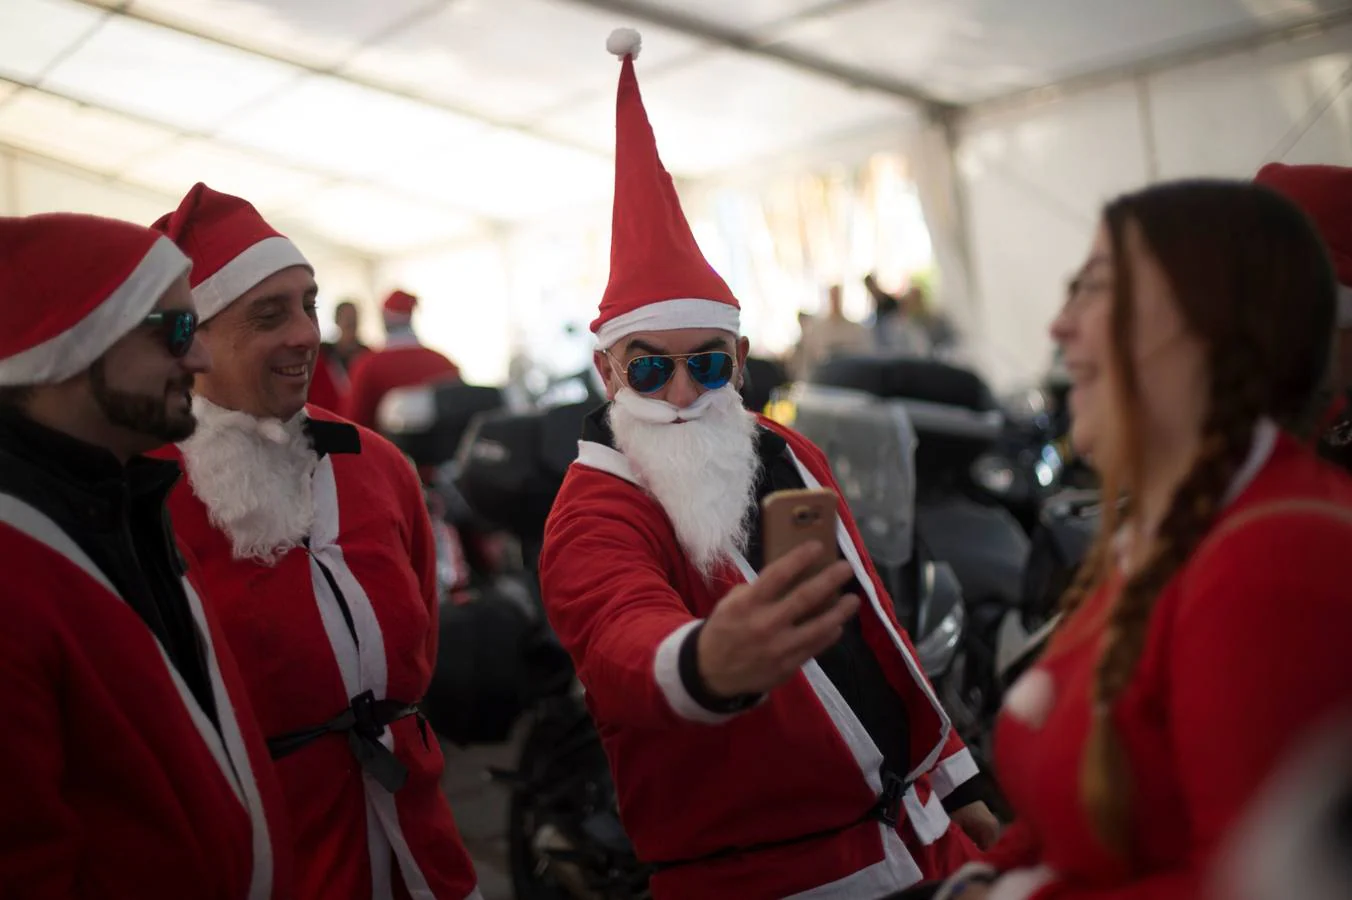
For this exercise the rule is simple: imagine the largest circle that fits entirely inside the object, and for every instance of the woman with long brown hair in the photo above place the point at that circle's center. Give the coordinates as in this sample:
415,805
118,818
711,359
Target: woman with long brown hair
1210,627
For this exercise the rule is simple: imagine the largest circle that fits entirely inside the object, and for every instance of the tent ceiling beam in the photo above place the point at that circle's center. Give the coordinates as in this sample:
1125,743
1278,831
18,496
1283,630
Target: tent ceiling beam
349,78
735,39
1162,62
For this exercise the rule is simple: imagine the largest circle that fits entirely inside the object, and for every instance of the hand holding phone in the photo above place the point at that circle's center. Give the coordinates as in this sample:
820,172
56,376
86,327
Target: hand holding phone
760,634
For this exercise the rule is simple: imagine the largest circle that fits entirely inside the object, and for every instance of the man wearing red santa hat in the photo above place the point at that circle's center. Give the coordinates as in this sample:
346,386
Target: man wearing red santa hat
1325,193
315,542
131,765
402,362
765,742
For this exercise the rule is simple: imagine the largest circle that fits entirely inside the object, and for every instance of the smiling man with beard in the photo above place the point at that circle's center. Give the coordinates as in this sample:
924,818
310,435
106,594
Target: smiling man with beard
131,765
766,741
314,538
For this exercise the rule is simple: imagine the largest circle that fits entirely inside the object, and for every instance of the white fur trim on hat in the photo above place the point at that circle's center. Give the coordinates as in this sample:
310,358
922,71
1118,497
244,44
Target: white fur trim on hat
76,349
1345,306
670,315
232,280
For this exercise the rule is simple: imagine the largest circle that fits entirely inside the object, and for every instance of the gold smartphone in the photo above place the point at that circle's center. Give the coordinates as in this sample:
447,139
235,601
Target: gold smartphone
790,519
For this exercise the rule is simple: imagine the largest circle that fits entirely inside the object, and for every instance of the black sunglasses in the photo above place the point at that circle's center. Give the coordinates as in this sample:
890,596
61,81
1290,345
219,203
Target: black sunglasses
179,328
649,374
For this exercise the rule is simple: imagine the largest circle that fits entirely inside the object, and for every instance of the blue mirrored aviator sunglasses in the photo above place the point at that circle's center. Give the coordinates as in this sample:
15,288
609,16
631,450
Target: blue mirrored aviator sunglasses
649,374
179,328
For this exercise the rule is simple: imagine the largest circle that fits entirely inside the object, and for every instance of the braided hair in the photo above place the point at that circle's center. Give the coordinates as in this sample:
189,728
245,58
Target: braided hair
1253,283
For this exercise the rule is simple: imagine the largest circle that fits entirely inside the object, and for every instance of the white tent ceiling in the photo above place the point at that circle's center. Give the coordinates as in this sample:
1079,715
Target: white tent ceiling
399,126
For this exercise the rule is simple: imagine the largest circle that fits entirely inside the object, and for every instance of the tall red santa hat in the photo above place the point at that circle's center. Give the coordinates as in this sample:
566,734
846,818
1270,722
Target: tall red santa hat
231,246
1325,193
659,279
399,306
73,285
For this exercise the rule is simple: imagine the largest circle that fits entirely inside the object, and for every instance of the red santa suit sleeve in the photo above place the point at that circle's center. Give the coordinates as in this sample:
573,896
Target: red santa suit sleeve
613,619
1257,658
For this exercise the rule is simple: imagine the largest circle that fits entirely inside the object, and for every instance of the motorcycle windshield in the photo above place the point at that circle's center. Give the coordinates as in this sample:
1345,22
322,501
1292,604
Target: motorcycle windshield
871,447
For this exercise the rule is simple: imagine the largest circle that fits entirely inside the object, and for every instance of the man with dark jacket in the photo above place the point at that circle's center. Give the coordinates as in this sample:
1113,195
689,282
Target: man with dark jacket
131,765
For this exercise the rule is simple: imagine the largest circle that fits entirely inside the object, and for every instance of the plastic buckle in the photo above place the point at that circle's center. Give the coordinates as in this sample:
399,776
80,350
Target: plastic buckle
889,804
364,717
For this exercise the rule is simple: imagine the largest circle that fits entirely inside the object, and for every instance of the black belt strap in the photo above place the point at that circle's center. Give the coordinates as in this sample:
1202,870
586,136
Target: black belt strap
887,810
364,721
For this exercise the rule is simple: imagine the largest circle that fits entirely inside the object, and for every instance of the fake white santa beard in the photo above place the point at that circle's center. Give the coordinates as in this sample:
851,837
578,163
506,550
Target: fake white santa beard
701,470
254,477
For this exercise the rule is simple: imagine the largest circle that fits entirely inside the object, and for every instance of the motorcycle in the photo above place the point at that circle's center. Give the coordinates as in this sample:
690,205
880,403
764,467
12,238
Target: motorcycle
564,836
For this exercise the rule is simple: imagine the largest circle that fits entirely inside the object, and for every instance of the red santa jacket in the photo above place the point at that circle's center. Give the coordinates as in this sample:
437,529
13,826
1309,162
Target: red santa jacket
114,781
622,597
402,363
1246,654
306,652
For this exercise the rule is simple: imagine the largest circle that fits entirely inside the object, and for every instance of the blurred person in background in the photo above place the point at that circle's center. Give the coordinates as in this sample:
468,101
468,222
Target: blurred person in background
765,740
830,335
402,362
345,350
132,764
1325,193
314,539
1206,633
897,324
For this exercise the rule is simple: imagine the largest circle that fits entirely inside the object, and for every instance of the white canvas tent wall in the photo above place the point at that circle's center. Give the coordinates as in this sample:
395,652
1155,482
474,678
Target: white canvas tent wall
410,140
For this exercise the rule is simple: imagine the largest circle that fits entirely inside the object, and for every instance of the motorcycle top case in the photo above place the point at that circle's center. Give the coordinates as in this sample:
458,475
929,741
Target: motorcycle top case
511,465
951,408
493,663
454,407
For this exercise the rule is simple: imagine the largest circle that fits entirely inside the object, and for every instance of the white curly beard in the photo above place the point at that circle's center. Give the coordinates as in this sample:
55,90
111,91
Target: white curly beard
255,478
702,470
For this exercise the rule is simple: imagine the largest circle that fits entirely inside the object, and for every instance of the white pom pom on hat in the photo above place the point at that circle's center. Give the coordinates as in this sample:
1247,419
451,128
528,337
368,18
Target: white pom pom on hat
624,42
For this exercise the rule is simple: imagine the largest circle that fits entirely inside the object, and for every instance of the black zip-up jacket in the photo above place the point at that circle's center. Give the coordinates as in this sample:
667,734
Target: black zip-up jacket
116,514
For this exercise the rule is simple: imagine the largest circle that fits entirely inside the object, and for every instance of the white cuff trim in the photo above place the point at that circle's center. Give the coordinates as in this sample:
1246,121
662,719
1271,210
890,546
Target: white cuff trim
669,315
77,348
952,772
1345,306
667,670
232,280
1021,884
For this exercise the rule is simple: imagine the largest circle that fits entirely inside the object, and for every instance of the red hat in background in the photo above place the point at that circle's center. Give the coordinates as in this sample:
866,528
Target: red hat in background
73,285
231,246
659,279
1325,194
400,304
